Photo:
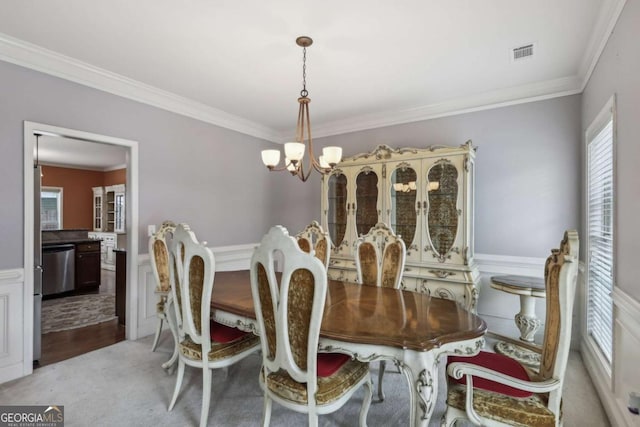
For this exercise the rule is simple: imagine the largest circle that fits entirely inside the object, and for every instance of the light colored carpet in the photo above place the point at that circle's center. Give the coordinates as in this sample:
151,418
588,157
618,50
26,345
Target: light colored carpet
124,385
61,314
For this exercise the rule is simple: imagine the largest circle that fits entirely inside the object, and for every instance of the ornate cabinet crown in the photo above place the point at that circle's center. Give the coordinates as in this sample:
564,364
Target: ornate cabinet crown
426,196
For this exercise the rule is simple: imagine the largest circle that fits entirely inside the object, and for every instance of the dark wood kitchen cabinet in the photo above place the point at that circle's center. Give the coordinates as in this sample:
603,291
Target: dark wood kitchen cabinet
87,266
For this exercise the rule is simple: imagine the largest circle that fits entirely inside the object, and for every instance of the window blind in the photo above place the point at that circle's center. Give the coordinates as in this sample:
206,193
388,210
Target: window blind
600,198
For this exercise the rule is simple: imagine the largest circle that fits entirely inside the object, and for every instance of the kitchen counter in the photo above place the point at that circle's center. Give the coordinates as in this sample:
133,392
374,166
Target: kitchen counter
67,241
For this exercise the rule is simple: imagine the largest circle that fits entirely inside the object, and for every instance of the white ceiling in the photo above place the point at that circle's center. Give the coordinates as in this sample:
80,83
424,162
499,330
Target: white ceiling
73,153
373,63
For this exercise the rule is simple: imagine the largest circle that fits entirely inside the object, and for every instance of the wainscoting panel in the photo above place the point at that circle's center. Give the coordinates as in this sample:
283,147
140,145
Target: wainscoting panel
616,382
228,258
11,324
626,332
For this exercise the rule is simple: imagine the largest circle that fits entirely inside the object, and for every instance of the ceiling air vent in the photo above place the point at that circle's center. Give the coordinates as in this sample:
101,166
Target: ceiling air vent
522,52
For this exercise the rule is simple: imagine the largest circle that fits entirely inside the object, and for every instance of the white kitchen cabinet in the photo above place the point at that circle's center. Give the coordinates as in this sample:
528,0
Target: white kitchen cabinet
109,208
426,196
98,212
115,213
109,243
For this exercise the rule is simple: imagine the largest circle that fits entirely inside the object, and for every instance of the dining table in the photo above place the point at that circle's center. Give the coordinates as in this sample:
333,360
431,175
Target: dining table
369,323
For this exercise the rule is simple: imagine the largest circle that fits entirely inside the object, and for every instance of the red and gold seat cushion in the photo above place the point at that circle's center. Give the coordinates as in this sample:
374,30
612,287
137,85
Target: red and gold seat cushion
337,374
498,401
495,362
225,342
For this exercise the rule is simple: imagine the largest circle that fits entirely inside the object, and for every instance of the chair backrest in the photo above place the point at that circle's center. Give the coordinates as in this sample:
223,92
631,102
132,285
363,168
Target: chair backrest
289,315
560,274
314,237
159,255
195,267
380,257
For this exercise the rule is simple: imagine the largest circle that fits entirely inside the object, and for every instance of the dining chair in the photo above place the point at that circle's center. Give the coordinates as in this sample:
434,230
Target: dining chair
380,258
159,256
491,389
203,343
313,237
289,315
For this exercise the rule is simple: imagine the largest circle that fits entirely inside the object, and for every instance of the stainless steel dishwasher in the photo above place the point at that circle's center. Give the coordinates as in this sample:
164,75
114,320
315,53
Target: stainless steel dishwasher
58,264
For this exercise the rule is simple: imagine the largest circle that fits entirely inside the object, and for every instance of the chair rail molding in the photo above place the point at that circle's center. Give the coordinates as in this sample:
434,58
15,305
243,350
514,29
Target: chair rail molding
227,258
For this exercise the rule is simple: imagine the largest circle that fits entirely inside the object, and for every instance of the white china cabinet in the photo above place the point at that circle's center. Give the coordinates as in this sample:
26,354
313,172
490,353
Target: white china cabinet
426,196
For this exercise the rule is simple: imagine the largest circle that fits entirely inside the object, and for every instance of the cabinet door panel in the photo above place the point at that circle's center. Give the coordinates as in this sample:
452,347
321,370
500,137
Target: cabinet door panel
87,270
337,211
403,211
368,203
443,182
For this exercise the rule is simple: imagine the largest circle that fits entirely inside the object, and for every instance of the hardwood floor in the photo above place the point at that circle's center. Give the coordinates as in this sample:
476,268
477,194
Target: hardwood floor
58,346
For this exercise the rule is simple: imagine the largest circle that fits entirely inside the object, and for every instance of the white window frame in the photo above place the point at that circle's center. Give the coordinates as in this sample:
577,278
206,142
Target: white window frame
608,113
60,192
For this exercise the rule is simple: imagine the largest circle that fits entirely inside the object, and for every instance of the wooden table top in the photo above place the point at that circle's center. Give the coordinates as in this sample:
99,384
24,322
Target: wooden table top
368,314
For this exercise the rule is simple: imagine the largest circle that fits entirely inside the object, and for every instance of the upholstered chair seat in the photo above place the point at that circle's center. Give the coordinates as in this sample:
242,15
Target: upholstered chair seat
380,258
159,257
289,308
203,343
330,387
491,389
225,342
514,411
498,401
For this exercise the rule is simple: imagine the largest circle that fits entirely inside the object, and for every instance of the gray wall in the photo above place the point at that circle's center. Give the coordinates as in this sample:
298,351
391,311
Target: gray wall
190,171
527,172
528,166
618,72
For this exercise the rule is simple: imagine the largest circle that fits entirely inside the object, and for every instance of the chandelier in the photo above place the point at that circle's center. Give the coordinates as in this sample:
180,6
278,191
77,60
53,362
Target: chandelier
294,151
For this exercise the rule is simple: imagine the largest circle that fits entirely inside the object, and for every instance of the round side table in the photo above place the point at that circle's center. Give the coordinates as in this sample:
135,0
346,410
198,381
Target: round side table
528,288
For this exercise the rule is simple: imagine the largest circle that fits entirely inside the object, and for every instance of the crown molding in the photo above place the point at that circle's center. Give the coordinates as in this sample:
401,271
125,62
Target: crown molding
485,101
607,19
44,60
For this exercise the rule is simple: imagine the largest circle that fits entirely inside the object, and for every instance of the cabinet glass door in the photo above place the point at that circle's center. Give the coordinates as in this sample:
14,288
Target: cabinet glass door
403,209
337,208
366,201
119,213
442,216
97,209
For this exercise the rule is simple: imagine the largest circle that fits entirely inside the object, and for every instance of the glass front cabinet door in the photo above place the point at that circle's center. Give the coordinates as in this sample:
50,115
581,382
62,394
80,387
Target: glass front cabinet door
426,196
404,205
352,205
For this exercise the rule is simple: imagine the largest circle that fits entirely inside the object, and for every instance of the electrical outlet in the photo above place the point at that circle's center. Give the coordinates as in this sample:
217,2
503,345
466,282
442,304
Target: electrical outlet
151,229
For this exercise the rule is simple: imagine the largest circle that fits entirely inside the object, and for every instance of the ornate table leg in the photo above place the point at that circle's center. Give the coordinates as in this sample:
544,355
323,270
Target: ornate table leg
421,370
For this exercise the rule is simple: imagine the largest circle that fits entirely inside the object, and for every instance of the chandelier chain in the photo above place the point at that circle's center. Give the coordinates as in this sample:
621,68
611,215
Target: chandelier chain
304,92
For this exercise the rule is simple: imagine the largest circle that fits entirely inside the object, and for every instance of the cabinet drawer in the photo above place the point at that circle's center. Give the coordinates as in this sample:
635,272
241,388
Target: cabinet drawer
342,263
465,294
87,247
342,275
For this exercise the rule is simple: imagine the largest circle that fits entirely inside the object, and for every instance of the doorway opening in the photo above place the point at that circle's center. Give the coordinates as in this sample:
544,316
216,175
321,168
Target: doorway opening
70,342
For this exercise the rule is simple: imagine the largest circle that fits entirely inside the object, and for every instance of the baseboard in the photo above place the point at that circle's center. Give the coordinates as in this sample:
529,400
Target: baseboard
11,372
